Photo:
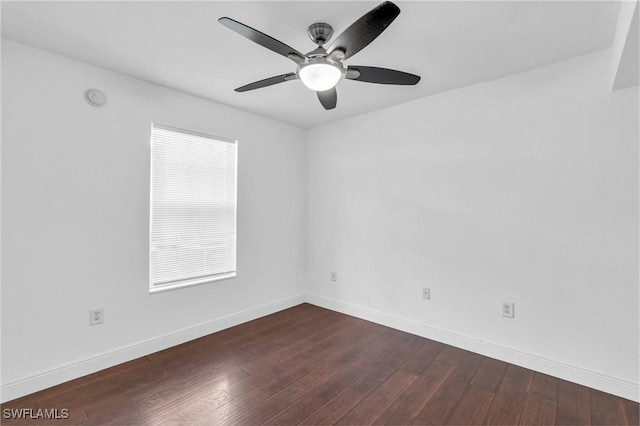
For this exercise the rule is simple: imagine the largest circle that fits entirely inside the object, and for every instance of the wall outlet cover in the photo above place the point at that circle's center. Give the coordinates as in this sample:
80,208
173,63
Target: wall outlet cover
426,293
96,316
508,309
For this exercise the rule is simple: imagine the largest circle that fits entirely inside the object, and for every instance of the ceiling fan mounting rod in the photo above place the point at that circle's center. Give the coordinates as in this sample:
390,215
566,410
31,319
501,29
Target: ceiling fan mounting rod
320,32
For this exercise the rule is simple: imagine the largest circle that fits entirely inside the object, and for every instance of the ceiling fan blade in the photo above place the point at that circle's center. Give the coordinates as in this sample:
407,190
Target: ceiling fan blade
381,75
262,39
267,82
365,30
328,98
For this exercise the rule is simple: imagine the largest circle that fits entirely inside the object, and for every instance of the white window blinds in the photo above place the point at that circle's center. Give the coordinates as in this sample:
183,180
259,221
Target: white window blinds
193,208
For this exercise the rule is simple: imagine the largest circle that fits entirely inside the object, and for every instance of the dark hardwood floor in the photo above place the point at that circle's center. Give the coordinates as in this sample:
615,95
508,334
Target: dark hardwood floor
308,365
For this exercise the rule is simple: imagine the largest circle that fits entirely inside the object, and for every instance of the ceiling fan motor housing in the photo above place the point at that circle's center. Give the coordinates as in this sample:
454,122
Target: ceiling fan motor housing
320,32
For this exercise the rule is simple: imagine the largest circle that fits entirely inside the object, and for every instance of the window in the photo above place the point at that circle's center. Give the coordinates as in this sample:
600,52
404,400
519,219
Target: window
193,208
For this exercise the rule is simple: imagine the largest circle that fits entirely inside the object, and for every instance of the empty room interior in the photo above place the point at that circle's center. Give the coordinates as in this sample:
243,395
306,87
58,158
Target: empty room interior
445,232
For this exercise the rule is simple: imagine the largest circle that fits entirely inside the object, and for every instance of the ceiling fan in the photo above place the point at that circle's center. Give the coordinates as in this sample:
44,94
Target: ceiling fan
322,68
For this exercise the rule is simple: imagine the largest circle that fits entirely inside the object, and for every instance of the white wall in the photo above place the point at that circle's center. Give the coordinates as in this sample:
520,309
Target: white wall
75,208
523,189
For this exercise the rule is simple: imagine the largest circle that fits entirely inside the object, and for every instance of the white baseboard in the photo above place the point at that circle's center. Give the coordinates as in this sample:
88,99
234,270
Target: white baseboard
81,368
563,371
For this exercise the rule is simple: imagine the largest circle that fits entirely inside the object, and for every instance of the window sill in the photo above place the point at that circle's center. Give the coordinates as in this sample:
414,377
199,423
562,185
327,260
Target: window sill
190,283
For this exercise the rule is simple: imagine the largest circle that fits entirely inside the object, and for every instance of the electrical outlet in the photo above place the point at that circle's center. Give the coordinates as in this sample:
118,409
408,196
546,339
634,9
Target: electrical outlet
334,276
96,316
508,310
426,293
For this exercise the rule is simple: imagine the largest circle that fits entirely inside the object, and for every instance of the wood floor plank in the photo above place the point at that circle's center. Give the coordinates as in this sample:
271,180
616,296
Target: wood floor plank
376,402
140,405
384,394
411,401
280,401
606,409
189,413
423,358
313,366
510,398
331,411
288,369
443,402
303,347
356,393
632,412
281,388
538,411
135,405
574,405
544,385
453,355
313,399
472,407
490,374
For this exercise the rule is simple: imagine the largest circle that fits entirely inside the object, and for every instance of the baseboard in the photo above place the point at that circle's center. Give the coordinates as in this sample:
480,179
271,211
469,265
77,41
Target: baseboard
563,371
81,368
90,365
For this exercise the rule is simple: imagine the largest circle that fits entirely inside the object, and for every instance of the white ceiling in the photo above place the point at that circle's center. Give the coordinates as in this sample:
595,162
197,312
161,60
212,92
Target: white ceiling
450,44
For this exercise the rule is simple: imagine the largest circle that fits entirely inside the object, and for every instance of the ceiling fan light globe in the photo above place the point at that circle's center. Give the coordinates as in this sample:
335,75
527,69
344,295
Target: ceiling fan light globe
320,76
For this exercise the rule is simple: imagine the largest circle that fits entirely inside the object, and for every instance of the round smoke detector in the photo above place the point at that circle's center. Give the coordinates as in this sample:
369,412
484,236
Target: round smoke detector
95,97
